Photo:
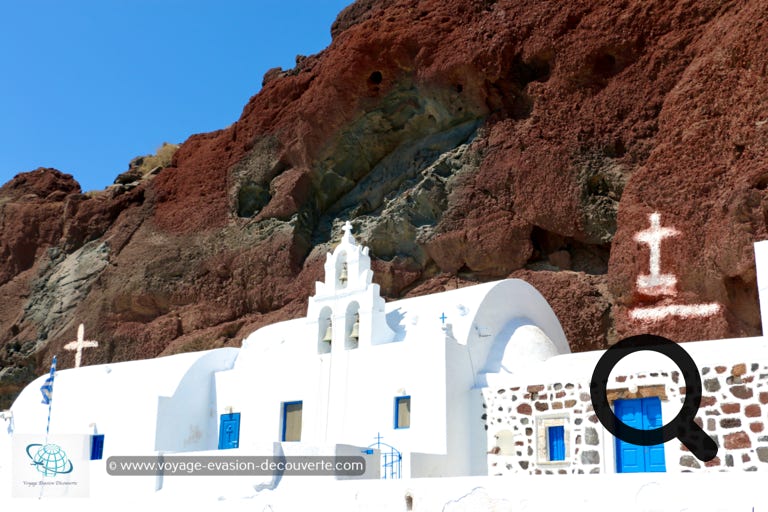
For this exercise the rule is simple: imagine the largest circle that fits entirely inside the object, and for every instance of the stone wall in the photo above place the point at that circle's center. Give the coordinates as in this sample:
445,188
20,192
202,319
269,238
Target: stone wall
734,405
733,411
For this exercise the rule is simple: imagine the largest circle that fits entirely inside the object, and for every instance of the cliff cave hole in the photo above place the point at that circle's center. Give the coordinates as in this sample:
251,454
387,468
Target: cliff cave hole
604,65
522,106
251,198
553,251
375,78
535,69
572,21
538,68
615,148
598,186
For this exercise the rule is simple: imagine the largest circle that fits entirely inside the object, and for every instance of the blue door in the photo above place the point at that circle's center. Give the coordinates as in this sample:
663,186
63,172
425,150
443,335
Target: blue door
97,446
642,414
229,431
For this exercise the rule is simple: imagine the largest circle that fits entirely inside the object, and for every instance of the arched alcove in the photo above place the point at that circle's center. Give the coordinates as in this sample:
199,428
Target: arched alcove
351,332
342,271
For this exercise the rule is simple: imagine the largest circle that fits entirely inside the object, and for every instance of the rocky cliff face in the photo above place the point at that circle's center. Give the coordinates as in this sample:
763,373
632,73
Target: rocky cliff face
466,140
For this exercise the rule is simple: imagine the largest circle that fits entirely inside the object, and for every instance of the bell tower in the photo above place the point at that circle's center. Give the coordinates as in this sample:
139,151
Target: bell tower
347,310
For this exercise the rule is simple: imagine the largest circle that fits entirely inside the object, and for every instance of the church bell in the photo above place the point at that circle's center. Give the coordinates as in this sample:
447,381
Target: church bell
343,277
355,334
328,334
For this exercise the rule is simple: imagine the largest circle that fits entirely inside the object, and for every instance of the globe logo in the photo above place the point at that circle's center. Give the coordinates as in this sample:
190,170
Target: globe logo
49,459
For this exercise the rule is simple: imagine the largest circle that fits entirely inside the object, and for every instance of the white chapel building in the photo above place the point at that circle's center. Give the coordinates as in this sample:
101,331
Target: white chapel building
472,382
356,369
356,372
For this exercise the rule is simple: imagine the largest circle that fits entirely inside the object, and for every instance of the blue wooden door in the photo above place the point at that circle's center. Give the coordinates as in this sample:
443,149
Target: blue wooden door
642,414
229,431
97,446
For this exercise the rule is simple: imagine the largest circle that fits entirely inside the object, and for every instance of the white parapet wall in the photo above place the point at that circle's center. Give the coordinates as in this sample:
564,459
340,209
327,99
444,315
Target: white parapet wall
712,492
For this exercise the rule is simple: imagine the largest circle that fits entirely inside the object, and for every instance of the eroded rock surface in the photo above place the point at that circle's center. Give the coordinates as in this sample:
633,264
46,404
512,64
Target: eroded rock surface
465,140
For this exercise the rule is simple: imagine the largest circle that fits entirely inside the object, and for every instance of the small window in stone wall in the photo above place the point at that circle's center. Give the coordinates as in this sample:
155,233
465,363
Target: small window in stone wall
553,440
556,443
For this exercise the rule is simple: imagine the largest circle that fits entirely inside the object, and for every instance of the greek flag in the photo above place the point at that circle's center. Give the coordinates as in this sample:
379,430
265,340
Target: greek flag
47,388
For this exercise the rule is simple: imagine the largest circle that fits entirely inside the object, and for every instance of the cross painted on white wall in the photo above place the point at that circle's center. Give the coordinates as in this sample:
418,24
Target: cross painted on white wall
79,344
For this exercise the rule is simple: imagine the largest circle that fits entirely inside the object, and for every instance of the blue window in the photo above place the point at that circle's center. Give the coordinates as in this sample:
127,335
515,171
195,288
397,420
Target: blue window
642,414
229,431
97,446
291,421
556,442
403,412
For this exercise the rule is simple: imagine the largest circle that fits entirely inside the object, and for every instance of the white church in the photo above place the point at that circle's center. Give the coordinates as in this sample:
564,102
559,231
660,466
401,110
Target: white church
470,385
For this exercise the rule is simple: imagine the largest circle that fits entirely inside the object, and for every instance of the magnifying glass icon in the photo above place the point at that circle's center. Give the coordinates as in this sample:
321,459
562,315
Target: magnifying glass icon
682,426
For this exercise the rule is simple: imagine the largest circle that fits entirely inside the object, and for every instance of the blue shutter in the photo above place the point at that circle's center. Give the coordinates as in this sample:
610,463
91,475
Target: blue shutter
97,446
229,431
556,440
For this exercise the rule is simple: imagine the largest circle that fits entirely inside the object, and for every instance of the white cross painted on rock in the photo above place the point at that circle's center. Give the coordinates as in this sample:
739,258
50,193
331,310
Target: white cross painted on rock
656,283
79,344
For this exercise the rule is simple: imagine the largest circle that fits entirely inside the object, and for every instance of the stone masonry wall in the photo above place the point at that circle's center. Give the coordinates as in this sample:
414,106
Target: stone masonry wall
517,409
734,406
733,411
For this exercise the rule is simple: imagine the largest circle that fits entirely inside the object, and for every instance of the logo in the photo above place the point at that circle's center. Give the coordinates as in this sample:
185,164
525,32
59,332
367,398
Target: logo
49,459
52,468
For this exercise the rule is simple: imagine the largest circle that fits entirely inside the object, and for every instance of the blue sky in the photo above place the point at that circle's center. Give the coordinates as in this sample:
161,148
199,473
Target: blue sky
86,85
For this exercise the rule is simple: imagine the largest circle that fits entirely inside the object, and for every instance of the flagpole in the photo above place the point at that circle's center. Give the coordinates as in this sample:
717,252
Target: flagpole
48,425
47,390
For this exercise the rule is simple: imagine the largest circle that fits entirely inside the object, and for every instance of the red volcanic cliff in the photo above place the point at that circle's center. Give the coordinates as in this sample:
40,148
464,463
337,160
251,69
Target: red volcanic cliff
466,141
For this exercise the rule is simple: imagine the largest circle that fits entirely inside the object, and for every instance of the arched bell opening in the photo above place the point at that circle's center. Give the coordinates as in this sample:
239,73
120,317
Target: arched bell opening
352,327
342,271
324,331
